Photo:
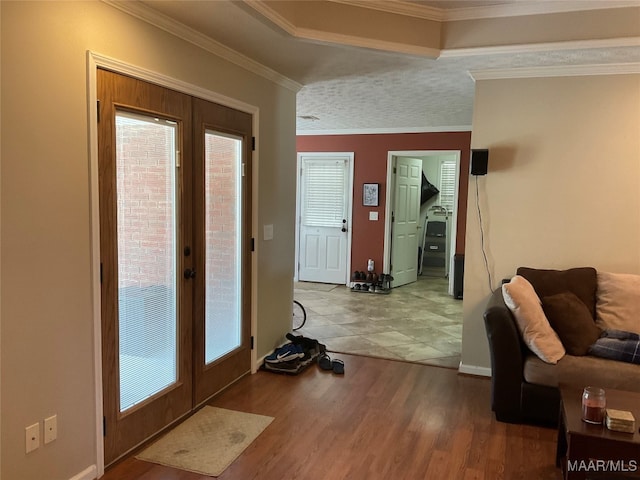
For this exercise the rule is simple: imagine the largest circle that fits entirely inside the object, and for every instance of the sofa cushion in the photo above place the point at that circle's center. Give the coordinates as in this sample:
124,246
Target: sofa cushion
540,373
581,281
572,321
618,301
583,371
522,300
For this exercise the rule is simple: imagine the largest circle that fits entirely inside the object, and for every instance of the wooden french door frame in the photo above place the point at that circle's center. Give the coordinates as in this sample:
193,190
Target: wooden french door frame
95,61
213,377
186,263
124,429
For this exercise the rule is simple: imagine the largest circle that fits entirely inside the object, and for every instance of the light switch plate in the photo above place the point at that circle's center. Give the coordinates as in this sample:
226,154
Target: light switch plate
373,216
268,232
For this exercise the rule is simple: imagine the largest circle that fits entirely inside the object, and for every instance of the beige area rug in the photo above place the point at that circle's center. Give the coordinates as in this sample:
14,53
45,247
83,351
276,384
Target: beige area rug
318,287
208,441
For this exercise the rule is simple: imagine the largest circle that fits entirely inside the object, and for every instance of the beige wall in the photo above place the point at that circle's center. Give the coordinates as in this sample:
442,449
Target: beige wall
563,187
558,27
47,350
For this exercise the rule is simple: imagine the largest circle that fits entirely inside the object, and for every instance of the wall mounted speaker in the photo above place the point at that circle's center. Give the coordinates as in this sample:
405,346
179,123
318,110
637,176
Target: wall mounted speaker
479,162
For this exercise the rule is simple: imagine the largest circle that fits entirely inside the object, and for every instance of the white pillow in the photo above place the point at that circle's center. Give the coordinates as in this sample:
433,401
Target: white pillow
524,303
618,301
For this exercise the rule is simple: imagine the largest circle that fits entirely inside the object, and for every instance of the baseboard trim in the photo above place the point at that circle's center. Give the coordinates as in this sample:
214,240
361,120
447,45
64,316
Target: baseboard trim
89,473
474,370
260,361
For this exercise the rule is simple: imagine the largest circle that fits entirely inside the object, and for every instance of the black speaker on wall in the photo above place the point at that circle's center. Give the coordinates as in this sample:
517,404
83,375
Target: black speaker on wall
479,162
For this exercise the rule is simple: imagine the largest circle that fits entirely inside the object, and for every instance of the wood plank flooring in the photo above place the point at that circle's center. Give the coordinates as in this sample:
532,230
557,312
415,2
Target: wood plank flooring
382,419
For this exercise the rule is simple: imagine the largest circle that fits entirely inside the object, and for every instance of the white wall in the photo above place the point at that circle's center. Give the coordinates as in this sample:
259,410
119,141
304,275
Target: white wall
47,349
563,187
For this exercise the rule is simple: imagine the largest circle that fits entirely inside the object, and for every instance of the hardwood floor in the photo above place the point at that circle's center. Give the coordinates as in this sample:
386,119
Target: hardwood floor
382,419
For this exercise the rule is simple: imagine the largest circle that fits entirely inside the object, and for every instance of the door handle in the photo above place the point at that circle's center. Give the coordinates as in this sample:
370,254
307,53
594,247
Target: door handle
189,273
344,229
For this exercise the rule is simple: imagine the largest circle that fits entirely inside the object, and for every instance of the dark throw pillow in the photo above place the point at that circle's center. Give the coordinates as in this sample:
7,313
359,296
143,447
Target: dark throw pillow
583,281
572,321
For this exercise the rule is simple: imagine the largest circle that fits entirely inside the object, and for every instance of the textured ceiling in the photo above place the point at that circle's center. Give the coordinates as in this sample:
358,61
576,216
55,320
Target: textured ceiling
423,94
353,89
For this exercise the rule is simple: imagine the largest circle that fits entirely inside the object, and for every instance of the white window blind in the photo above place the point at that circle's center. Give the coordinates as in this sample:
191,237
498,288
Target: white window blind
147,260
447,184
324,197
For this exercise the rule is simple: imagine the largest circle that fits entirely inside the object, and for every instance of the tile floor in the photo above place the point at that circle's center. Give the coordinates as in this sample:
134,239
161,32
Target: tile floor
418,322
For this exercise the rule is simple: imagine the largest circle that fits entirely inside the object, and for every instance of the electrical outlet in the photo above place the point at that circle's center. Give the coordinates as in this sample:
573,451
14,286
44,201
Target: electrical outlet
50,429
32,437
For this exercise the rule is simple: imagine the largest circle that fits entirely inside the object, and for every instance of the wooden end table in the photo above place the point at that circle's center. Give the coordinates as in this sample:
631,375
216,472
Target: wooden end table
587,451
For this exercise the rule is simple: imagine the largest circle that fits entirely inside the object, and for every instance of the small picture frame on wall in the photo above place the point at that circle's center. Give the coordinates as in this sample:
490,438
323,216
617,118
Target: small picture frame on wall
370,194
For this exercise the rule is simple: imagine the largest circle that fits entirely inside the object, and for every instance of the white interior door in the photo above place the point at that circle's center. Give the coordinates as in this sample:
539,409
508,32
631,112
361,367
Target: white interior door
406,221
325,190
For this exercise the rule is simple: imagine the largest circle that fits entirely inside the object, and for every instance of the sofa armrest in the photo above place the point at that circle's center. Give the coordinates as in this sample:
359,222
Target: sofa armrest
507,359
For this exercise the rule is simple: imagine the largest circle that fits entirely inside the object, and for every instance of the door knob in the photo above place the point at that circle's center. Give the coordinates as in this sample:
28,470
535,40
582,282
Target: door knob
344,229
189,273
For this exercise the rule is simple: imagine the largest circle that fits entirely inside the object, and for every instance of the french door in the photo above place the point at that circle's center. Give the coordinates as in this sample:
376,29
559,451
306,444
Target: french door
174,245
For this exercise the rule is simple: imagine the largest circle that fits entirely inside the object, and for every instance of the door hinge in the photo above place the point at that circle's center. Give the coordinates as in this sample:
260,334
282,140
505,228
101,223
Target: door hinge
253,144
100,272
253,244
104,426
252,342
98,111
394,170
244,169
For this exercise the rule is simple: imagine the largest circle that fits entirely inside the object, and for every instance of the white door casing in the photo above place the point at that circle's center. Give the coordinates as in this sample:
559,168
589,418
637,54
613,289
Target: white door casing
406,221
323,229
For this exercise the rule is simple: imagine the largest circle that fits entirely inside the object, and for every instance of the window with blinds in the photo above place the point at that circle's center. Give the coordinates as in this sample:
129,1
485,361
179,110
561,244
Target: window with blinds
147,260
323,197
447,184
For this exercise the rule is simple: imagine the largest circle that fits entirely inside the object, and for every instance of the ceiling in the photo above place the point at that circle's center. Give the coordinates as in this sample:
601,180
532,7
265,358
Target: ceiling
346,89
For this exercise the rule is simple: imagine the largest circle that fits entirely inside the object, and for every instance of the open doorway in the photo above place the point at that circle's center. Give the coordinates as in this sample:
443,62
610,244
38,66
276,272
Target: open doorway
421,215
419,321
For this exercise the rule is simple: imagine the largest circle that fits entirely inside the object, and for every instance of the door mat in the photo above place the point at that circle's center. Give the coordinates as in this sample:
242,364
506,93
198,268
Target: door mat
208,441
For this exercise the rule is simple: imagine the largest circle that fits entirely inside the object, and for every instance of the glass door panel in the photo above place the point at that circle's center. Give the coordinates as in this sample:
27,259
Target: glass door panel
222,247
223,242
147,262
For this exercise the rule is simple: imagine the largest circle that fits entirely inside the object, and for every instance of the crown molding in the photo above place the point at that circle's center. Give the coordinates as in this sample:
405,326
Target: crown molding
338,38
516,9
557,71
270,14
520,9
399,7
163,22
541,47
342,39
383,131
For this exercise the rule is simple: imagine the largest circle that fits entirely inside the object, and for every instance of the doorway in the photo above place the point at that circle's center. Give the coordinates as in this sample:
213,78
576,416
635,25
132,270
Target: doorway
175,223
437,215
323,217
